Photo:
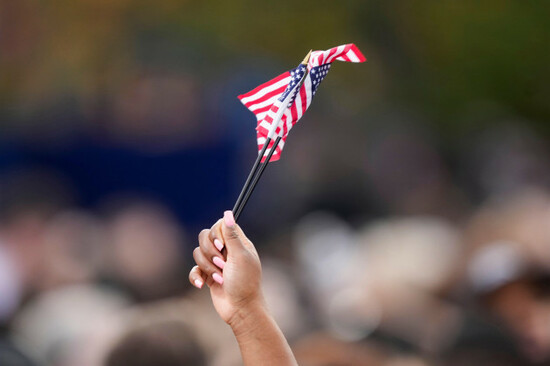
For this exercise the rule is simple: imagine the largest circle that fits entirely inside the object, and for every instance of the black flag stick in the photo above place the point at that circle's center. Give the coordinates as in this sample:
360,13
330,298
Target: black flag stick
237,213
251,175
255,174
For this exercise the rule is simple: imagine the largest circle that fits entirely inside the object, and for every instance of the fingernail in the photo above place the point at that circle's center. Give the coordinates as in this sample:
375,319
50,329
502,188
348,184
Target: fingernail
198,283
218,262
219,279
218,244
228,218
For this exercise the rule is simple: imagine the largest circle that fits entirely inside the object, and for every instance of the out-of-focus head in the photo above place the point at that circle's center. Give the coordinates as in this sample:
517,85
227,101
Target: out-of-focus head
325,246
320,349
401,264
521,219
70,325
283,298
192,326
169,343
145,246
322,240
515,292
523,305
74,244
29,198
508,267
416,251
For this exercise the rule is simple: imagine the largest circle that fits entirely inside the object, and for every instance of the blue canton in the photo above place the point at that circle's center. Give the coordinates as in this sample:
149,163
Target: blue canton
318,73
296,76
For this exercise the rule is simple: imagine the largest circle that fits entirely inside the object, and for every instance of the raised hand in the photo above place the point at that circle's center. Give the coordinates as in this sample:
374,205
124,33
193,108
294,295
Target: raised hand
229,264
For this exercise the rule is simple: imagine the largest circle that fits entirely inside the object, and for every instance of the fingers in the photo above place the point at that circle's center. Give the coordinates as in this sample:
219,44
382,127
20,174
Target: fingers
207,267
209,248
215,235
234,238
223,237
197,277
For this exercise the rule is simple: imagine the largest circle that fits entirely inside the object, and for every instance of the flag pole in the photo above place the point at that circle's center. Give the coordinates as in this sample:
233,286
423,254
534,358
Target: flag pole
256,174
251,175
256,179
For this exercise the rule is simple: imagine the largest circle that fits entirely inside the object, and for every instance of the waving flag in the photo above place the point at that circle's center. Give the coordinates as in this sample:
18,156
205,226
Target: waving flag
266,100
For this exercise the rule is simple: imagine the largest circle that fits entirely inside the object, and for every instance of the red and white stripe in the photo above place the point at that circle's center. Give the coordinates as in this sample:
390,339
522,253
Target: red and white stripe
263,100
347,53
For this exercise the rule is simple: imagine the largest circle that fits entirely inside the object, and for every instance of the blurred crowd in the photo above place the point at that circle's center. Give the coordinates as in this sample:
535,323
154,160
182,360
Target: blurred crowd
83,287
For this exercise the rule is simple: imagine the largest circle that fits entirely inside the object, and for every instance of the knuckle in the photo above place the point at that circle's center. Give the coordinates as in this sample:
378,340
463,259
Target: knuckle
205,246
208,269
217,224
233,234
203,233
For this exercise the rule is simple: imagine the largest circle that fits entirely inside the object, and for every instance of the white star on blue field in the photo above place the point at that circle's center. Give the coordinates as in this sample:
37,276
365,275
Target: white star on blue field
318,73
296,75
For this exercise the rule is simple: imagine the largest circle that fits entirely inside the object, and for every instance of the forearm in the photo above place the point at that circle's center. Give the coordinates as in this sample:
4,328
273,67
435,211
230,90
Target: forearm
260,339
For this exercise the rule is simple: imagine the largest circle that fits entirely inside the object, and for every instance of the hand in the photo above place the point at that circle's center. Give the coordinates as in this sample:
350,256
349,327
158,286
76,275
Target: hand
234,278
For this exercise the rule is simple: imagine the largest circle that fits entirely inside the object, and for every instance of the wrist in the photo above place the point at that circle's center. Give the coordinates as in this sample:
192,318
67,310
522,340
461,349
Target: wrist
259,337
248,317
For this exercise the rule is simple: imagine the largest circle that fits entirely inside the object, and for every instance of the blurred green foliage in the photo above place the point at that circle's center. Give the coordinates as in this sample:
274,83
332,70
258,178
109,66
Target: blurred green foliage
439,57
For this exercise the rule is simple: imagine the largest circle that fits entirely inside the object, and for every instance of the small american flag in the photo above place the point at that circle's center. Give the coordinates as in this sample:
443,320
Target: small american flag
265,100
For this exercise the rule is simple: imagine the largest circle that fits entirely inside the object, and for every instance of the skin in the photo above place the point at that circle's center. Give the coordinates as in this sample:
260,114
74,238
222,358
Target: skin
228,263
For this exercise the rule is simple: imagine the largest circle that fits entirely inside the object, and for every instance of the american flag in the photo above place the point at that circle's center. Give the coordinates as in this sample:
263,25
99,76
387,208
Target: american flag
265,100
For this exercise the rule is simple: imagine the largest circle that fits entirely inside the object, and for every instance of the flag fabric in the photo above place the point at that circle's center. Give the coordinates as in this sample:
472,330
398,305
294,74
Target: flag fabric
296,76
266,100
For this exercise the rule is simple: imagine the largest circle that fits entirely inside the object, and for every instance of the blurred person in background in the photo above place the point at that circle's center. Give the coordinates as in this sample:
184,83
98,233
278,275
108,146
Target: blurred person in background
29,198
68,304
505,273
284,297
74,248
322,349
401,263
178,329
330,294
522,304
71,325
163,344
145,251
386,278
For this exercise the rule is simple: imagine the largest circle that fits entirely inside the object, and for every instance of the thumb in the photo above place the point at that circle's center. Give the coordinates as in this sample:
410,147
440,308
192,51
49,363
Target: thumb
234,240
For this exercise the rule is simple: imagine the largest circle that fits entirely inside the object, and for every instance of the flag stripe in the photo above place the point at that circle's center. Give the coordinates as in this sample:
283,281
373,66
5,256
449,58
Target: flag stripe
340,56
270,94
258,90
267,103
263,109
